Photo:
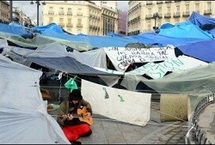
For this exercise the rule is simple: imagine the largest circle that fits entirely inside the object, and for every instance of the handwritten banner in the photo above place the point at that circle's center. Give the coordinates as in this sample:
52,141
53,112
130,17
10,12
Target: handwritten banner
122,57
158,70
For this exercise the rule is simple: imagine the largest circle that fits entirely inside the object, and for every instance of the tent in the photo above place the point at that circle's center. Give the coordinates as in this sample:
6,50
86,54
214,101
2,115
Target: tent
185,30
204,50
23,114
151,38
55,56
204,22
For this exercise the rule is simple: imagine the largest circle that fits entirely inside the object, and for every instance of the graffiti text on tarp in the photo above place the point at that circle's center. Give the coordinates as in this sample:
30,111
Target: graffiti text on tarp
122,57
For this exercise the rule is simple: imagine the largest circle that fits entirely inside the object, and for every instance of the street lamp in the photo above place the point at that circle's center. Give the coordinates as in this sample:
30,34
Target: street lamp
11,10
155,16
38,8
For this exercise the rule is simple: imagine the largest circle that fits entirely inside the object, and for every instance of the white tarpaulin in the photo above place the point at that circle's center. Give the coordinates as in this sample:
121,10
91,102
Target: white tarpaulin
122,105
122,57
158,70
23,113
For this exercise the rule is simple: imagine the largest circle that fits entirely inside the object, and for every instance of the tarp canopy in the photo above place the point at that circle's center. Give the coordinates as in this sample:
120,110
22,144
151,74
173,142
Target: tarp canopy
13,30
185,30
190,81
204,22
23,113
204,50
154,38
55,56
195,80
41,40
52,27
93,41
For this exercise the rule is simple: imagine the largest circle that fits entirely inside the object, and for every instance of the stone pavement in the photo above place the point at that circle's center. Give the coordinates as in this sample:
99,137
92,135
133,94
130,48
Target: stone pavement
109,131
206,122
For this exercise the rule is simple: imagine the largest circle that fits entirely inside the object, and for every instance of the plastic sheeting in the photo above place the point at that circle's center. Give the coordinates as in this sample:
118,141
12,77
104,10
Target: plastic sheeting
185,30
204,50
23,114
204,22
55,56
122,105
154,38
191,81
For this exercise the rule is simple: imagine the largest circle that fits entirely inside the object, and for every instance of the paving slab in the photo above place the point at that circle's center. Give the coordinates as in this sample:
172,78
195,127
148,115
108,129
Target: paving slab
110,131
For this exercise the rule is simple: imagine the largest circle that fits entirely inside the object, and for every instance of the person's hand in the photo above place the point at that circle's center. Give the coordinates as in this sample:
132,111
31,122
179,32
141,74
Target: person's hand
64,116
69,117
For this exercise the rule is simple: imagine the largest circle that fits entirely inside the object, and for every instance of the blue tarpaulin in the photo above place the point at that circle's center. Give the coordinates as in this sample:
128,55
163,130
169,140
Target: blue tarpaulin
204,22
185,30
204,50
154,38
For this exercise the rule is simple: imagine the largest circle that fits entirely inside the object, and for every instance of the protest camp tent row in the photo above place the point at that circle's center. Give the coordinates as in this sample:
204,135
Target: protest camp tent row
175,59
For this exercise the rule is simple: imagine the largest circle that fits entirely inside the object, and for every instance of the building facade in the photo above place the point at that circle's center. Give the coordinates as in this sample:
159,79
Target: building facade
81,17
110,4
122,22
4,11
144,16
20,18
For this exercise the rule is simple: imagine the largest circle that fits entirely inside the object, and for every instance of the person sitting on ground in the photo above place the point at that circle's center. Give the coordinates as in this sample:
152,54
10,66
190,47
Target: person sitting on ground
72,126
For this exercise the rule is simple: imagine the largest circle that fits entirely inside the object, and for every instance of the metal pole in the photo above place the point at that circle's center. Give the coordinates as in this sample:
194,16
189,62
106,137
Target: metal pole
11,10
38,6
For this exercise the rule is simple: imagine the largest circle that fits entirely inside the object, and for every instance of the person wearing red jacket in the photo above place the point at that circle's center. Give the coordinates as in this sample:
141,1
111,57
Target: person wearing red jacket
75,117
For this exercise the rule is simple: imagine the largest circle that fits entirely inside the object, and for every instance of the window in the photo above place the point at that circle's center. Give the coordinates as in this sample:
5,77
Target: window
160,10
61,20
178,8
79,21
208,5
197,6
168,9
149,10
187,7
69,20
51,19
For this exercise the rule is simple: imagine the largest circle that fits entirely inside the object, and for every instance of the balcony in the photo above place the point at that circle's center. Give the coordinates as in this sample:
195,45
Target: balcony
148,3
168,1
176,15
159,2
186,14
167,15
148,16
207,12
135,20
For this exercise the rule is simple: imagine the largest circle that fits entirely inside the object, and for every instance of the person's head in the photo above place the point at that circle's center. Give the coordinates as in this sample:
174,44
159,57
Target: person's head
75,96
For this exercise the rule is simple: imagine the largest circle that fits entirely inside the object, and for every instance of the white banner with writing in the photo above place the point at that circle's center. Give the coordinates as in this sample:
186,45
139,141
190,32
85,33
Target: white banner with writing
122,57
158,70
122,105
